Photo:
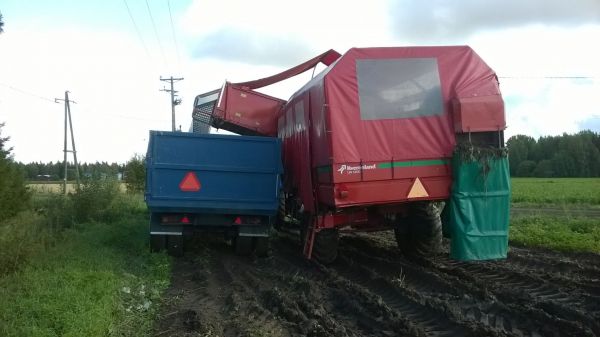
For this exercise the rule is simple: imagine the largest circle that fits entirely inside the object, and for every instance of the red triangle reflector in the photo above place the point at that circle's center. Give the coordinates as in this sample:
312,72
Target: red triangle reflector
190,183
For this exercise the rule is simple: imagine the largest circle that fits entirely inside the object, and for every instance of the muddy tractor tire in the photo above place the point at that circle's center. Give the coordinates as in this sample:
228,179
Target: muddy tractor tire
243,245
422,233
158,243
261,246
175,245
325,246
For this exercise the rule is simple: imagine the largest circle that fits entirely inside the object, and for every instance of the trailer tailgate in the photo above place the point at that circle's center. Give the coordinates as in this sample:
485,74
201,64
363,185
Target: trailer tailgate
202,173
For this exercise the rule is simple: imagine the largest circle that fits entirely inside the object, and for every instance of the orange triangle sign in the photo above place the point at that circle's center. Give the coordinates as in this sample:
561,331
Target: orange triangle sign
190,183
417,190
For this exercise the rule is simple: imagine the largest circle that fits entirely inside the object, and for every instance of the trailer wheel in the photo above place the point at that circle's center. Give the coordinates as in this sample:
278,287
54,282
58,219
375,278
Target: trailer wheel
423,233
157,243
175,245
261,246
280,219
305,223
243,245
325,246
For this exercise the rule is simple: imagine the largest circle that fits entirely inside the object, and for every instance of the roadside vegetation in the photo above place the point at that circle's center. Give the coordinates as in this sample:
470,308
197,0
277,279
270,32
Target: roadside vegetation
14,196
75,265
80,266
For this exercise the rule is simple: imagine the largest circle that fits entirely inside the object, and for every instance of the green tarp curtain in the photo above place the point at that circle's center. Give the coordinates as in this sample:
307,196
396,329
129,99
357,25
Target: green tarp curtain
479,207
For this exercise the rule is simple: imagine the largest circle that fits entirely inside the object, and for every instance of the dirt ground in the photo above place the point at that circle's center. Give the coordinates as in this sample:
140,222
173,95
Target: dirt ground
373,290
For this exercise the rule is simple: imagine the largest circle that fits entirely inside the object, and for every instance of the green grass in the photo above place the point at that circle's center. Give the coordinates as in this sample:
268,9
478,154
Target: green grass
63,276
565,234
582,191
99,280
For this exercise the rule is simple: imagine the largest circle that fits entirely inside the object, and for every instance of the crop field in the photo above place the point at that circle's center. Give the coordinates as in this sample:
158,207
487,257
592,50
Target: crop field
573,191
556,213
57,187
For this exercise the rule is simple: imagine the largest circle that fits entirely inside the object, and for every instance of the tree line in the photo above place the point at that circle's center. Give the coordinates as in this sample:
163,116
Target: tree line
576,155
39,171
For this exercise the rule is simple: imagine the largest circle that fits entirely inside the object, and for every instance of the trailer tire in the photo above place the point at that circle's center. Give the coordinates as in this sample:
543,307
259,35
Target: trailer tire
280,219
305,222
243,245
175,245
423,233
261,246
325,246
157,243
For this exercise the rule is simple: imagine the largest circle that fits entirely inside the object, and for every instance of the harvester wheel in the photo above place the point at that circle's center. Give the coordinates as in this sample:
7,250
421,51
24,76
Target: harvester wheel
157,243
403,237
243,245
305,223
261,246
325,246
175,245
423,233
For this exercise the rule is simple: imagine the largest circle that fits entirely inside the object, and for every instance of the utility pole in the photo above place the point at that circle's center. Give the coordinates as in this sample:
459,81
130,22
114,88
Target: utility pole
174,101
65,150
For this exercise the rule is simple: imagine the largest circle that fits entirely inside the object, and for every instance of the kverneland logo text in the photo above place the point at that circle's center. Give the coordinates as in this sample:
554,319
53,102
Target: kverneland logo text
349,169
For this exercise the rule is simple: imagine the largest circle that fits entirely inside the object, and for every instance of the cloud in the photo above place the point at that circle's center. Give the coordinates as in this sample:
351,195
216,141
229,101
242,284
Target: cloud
442,20
539,107
592,123
243,46
116,93
272,32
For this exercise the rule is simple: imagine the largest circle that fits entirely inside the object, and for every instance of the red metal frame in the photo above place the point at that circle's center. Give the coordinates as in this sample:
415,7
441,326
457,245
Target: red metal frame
324,133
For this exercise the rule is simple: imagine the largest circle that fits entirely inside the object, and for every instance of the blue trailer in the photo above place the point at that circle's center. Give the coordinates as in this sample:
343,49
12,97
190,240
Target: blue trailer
207,182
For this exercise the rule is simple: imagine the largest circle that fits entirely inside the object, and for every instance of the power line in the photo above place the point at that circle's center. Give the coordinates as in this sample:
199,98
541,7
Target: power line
84,107
156,33
173,31
27,93
136,29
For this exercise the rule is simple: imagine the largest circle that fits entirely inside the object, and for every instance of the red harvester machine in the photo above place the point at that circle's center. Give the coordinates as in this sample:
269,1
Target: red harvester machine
367,143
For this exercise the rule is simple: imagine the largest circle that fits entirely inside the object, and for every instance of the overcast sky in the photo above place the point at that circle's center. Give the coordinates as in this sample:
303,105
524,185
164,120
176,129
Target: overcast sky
111,61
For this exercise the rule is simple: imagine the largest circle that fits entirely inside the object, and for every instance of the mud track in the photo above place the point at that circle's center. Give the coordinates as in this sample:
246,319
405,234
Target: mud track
373,290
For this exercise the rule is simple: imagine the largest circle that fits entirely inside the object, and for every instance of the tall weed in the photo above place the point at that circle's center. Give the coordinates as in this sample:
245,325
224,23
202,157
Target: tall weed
94,200
32,231
21,237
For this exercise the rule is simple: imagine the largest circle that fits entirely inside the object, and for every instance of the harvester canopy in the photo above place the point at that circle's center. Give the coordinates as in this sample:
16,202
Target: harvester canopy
401,103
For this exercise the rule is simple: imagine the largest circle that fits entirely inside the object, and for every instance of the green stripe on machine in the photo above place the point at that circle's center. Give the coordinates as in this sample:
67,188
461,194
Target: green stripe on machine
413,163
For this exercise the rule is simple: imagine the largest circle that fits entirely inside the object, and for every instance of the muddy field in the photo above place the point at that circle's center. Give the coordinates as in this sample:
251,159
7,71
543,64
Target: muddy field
373,290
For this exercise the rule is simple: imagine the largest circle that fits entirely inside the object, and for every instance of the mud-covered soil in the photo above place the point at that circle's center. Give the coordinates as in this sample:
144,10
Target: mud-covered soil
373,290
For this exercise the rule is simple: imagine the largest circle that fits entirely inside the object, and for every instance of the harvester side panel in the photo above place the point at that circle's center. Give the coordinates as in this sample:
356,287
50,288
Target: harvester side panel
240,109
246,112
383,129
